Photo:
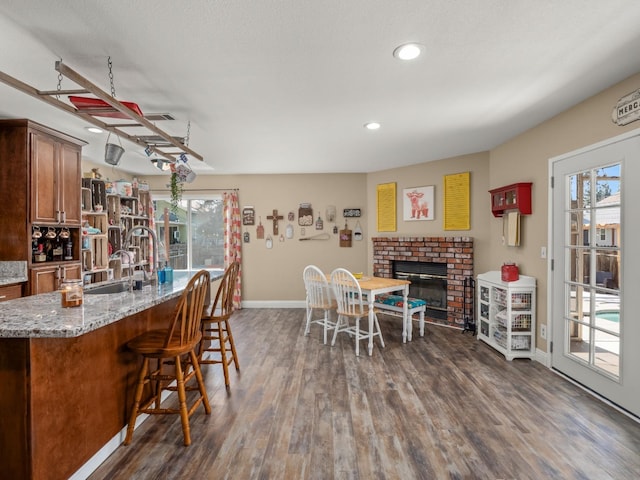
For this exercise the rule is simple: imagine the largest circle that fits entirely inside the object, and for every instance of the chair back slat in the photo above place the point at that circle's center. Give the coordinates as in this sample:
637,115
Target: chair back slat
347,292
223,303
317,287
188,313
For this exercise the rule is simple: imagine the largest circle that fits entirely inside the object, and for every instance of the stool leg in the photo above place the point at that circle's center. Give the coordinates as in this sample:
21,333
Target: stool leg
182,396
155,378
223,354
422,323
233,345
136,402
200,380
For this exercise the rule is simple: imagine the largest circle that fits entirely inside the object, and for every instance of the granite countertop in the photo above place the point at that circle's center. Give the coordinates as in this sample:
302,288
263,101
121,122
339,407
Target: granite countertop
42,316
13,272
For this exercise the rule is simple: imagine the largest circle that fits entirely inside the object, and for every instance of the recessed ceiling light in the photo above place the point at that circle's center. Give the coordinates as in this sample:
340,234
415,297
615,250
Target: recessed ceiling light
372,126
94,129
408,51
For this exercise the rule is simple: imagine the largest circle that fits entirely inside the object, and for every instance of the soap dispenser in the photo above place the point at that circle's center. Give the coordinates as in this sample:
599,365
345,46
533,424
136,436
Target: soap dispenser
168,273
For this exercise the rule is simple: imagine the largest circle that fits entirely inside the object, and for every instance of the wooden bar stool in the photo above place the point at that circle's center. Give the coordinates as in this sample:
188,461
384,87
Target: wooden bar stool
174,350
216,331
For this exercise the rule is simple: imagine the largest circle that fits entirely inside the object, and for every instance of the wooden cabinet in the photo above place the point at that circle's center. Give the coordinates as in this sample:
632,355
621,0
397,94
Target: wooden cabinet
55,180
507,314
49,278
511,197
40,184
9,292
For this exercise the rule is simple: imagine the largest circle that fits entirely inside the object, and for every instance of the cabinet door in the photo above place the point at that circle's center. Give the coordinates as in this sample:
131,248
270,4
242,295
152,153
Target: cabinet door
69,184
44,279
44,172
49,278
71,271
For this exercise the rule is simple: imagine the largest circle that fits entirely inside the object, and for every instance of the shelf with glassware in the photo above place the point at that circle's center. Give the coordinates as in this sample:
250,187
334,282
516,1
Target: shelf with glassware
106,219
95,247
125,213
55,254
507,314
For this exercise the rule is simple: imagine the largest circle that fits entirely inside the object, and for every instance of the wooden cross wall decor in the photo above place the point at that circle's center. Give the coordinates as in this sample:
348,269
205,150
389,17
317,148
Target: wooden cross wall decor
275,217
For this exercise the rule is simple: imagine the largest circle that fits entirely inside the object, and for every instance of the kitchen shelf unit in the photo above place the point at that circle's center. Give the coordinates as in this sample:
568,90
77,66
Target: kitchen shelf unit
119,215
507,314
511,197
95,248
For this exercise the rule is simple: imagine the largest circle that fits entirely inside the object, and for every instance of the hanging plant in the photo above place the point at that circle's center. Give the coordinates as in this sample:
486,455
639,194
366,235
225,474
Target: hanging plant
176,192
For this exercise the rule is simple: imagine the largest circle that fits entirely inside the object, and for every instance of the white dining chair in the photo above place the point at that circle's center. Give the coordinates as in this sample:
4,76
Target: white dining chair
318,298
351,306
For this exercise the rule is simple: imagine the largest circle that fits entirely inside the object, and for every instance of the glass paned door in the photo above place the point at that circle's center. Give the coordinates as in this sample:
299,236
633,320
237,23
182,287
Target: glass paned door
594,335
592,261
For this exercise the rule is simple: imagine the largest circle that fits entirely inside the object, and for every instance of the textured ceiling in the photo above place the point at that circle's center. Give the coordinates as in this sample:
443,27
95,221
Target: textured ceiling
285,86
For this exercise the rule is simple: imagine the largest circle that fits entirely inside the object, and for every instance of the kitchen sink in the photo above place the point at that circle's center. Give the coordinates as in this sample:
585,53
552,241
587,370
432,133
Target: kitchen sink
110,288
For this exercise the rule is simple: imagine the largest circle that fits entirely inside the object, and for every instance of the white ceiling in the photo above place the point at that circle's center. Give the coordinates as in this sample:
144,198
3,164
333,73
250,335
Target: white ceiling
285,86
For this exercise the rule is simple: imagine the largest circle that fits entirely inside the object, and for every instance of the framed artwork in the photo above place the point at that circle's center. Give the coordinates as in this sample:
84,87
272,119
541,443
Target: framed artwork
248,216
418,204
351,212
305,215
456,202
386,196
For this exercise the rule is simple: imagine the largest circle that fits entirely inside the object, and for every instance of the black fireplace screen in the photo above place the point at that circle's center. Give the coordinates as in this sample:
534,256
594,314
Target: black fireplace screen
428,282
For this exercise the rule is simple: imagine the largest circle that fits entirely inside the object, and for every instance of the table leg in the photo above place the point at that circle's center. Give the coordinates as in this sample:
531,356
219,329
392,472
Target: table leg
371,314
406,321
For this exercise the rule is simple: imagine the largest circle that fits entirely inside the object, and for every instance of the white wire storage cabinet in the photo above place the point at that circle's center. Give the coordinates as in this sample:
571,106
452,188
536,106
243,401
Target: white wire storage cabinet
507,314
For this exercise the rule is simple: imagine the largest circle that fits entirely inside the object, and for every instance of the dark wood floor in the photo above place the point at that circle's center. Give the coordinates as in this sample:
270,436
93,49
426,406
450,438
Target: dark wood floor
442,406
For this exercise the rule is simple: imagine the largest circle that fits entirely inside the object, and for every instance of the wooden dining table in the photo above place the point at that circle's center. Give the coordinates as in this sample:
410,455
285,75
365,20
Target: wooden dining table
372,286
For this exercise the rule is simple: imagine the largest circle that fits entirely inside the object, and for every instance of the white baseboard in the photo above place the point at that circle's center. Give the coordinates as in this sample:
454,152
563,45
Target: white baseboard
542,357
274,304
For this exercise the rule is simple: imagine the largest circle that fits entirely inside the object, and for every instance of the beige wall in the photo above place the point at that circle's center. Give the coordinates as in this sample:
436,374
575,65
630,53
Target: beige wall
276,274
525,158
432,173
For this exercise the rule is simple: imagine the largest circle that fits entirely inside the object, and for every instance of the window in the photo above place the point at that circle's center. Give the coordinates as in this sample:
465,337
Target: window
194,232
603,233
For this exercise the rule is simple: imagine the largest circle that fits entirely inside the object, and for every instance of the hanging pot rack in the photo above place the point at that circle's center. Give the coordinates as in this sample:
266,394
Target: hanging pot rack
119,110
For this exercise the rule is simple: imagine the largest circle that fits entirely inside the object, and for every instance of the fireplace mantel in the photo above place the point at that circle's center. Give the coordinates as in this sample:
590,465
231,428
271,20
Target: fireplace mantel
456,252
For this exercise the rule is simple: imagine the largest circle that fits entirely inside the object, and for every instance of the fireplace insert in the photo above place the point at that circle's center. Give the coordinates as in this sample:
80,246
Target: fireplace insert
428,282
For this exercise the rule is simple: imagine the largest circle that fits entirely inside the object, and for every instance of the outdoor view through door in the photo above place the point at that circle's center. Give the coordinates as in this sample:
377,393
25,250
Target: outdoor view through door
594,255
194,232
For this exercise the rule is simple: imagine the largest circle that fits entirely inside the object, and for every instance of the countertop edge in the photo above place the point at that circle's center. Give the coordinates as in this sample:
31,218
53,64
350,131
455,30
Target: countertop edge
42,316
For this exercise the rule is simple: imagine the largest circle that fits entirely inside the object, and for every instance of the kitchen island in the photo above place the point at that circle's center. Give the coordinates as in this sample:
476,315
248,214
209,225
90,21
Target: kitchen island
67,379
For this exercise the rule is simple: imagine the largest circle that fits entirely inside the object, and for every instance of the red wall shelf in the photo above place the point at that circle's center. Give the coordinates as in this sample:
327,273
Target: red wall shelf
511,197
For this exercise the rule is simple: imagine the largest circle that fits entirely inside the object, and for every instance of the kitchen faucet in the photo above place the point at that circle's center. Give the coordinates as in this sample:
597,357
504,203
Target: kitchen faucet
129,254
156,260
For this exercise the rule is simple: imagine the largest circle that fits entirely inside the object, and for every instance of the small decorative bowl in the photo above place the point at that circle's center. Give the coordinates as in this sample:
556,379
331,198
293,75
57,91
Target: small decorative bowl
358,275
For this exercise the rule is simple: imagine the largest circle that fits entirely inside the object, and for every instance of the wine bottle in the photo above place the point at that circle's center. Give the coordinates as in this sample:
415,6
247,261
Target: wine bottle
57,249
68,250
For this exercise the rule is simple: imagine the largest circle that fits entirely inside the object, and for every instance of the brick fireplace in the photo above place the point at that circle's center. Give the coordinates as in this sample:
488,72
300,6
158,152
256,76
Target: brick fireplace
455,252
